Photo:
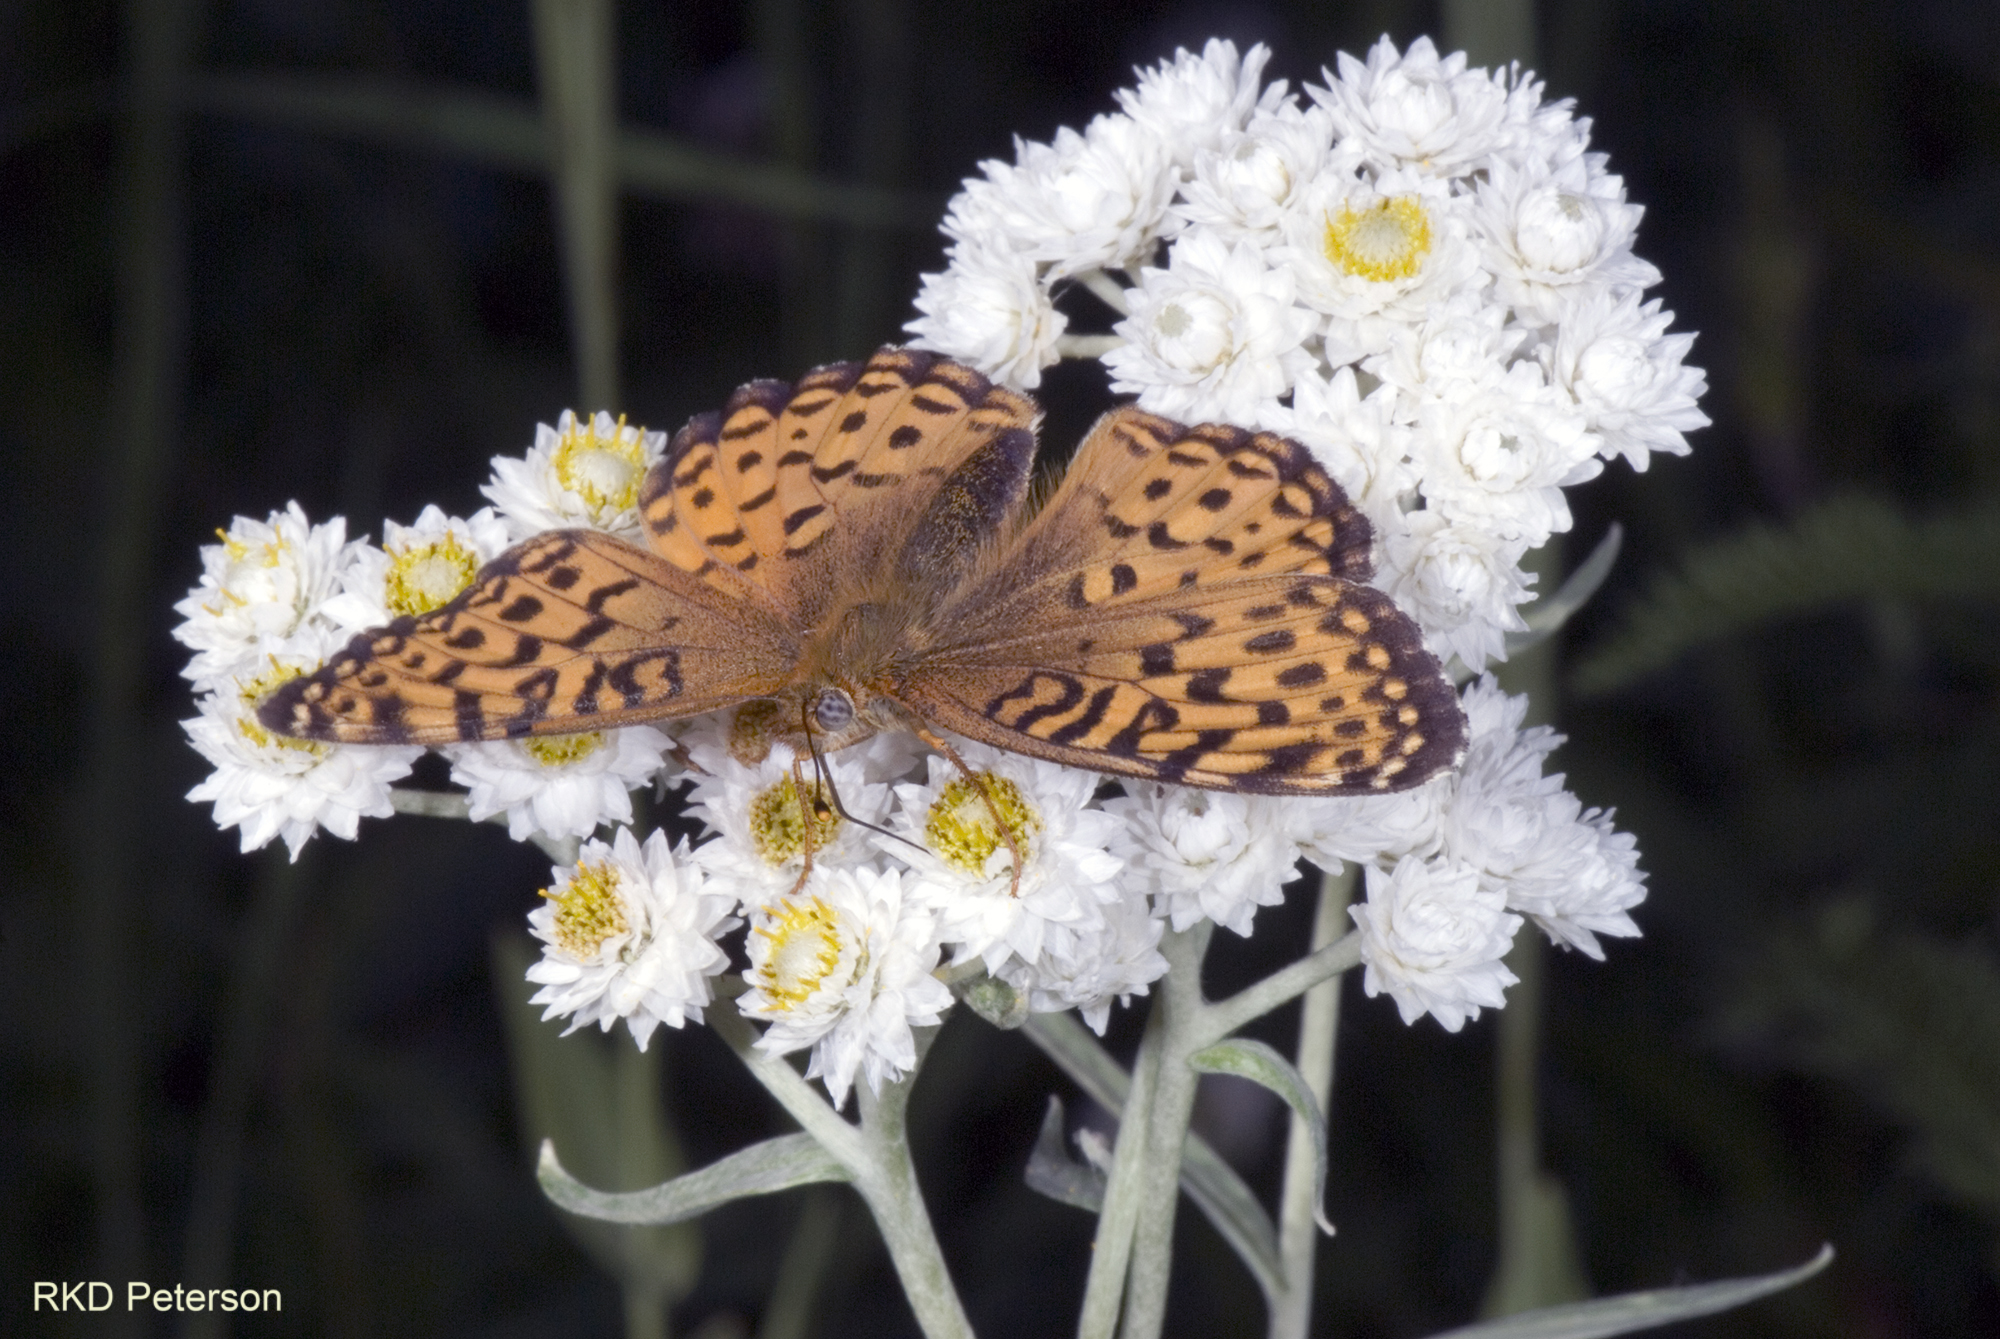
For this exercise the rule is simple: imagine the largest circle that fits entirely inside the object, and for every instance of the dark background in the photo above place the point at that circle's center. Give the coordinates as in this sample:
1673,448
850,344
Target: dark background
216,309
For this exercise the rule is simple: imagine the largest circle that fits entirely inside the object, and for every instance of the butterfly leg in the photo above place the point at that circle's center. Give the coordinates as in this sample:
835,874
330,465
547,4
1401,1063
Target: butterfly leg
813,811
937,741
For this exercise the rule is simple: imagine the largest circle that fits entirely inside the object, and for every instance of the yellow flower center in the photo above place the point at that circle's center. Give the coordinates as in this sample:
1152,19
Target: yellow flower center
778,825
1387,240
424,576
589,910
252,694
804,939
562,750
965,829
603,469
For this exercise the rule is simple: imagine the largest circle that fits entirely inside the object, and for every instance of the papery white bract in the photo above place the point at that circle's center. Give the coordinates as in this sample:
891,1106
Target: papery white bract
265,585
1432,936
1087,967
990,308
629,932
582,472
845,967
1213,335
962,865
1191,102
417,568
1531,841
559,785
1206,854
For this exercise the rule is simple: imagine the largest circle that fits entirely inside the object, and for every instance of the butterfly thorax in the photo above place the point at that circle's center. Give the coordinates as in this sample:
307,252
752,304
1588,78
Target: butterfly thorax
843,692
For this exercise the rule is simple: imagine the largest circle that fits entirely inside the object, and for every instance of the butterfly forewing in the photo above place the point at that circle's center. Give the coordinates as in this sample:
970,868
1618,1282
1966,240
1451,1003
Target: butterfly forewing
810,490
571,630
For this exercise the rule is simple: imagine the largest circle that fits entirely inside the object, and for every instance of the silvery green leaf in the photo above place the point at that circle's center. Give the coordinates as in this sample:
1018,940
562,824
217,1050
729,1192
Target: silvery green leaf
1053,1172
1260,1064
1545,617
1630,1312
761,1169
1211,1183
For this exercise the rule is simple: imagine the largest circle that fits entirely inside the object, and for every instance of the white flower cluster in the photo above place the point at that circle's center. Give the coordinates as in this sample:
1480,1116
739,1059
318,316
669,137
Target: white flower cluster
1420,271
277,597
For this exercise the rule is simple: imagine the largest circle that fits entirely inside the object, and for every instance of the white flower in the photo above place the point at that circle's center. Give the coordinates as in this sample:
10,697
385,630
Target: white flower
1190,102
1356,439
1530,840
1214,336
988,308
262,586
1500,456
760,849
418,568
1373,254
630,933
1458,347
845,967
963,864
1459,580
1614,355
558,785
1204,853
271,786
1242,188
1084,202
582,472
1433,935
1554,235
1417,109
1086,968
1370,828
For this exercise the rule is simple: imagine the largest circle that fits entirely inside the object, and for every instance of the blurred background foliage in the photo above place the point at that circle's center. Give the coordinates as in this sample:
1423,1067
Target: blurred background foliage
260,250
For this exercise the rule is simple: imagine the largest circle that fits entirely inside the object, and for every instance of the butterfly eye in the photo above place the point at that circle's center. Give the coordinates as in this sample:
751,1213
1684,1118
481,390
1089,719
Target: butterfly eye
833,710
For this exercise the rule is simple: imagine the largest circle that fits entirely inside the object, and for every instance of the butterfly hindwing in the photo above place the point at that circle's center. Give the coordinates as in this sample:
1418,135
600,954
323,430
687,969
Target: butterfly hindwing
571,630
1285,685
1187,606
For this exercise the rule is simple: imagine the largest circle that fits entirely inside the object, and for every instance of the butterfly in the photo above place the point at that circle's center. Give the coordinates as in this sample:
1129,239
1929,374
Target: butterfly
865,550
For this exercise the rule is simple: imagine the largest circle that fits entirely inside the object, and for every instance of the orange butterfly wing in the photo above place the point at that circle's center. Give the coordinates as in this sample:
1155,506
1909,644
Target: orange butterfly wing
1187,607
571,630
814,493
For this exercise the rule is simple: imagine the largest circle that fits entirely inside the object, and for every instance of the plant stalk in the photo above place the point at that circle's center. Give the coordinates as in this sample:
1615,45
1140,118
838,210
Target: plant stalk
1165,1132
1319,1022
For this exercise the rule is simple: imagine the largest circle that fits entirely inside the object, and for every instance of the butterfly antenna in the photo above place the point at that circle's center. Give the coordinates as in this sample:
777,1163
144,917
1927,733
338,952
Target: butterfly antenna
824,774
1006,830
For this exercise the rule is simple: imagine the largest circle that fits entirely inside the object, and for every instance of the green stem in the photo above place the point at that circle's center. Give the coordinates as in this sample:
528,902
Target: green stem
1319,1021
579,84
1222,1018
1112,1250
889,1186
1165,1132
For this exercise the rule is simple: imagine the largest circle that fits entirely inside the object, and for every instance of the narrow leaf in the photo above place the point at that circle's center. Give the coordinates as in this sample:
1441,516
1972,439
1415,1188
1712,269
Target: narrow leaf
1260,1064
1210,1182
1630,1312
1053,1172
1546,616
761,1169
